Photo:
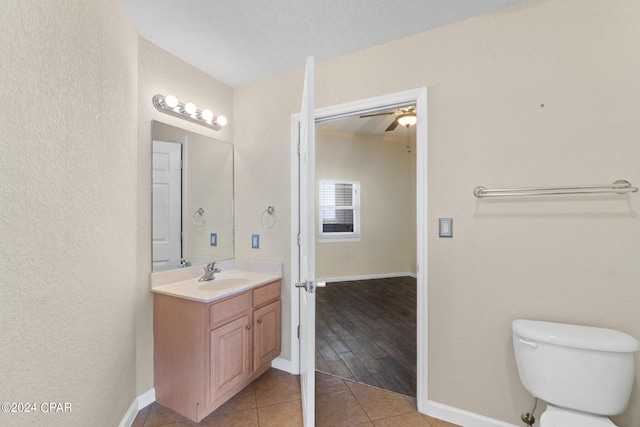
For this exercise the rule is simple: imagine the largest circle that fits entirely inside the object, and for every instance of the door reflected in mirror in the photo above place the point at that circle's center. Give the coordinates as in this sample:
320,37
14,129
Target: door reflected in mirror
192,198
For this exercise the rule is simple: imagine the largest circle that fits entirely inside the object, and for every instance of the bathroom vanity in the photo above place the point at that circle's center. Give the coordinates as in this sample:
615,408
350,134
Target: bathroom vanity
212,339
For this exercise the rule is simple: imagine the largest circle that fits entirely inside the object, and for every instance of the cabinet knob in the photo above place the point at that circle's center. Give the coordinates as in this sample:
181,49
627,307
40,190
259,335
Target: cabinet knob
248,327
259,320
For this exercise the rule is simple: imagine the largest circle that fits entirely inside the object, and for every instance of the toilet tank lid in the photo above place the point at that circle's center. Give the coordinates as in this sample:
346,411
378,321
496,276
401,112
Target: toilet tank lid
584,337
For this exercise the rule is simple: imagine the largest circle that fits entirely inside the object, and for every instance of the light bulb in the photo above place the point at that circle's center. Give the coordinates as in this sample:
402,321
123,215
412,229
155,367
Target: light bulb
207,115
221,120
407,119
190,108
171,101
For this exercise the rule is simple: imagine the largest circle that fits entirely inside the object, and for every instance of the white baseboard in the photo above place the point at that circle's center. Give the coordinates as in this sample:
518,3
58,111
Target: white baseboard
141,401
146,399
282,364
369,276
462,417
128,418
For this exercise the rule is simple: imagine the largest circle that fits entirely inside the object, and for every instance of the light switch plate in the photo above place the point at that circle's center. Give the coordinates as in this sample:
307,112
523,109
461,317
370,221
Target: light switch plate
446,227
255,241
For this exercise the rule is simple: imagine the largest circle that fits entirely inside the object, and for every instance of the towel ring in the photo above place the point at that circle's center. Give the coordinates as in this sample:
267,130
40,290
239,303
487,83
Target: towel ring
270,211
198,218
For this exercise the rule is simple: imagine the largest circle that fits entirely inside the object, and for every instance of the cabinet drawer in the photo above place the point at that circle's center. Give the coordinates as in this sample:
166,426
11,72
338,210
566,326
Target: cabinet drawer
229,309
267,293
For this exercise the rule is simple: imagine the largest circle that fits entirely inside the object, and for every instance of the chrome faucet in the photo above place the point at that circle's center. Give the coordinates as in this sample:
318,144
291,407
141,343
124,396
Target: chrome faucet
184,263
211,269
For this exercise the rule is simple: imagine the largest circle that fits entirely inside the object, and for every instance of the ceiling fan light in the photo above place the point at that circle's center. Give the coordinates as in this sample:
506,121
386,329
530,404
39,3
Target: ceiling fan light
407,119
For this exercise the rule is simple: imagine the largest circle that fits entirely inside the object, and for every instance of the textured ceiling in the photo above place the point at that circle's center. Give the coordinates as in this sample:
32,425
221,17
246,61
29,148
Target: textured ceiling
242,41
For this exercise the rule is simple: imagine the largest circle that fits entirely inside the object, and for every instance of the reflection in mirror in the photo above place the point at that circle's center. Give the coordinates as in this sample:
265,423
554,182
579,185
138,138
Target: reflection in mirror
192,198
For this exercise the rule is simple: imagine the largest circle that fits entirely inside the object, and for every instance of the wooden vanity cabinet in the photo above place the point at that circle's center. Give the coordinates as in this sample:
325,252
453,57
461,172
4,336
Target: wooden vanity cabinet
205,353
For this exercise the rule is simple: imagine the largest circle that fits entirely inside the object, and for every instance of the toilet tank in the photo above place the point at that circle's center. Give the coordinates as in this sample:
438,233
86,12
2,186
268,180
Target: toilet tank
576,367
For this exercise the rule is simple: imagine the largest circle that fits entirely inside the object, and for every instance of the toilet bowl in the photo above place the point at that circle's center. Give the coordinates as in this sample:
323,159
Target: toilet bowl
585,374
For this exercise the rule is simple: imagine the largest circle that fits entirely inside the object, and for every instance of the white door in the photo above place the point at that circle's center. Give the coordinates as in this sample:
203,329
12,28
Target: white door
167,195
307,250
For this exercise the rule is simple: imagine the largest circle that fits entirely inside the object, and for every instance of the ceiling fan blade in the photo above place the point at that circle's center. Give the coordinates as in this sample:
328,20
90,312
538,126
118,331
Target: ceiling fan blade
378,114
392,126
396,112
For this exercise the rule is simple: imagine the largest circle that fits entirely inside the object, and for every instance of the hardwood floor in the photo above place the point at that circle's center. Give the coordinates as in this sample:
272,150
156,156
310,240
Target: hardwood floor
366,332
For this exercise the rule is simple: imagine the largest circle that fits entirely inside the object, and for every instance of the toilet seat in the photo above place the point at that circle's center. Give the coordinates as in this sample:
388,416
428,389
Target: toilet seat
556,417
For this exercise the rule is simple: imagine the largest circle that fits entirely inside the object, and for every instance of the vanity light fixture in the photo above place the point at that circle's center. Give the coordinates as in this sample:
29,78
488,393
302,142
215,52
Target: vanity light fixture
408,119
170,105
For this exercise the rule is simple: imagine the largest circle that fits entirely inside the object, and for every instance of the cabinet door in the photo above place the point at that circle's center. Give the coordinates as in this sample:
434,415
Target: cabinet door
230,358
266,335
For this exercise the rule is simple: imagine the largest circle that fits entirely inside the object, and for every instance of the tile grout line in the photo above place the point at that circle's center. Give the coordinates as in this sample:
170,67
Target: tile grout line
277,403
384,391
359,404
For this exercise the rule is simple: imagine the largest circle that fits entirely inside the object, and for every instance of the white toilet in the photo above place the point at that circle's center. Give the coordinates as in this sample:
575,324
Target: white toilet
584,374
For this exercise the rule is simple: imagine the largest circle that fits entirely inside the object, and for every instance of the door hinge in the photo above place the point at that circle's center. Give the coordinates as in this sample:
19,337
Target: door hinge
298,331
298,239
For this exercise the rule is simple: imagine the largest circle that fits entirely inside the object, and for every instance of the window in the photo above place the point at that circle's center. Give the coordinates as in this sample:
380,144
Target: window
339,210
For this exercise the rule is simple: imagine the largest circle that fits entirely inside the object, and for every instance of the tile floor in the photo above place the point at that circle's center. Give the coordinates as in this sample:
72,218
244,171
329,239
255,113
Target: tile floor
274,400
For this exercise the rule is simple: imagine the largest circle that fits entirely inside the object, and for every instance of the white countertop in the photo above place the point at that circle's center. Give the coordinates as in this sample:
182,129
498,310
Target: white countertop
226,283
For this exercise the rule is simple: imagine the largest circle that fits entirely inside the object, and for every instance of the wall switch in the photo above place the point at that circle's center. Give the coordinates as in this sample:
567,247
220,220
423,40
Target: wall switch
214,239
255,241
446,227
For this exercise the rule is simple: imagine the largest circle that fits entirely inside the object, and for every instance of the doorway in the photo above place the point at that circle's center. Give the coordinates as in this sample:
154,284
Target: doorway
416,97
366,249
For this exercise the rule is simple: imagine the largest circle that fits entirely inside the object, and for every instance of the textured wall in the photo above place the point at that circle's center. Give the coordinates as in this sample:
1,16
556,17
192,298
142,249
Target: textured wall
162,73
67,211
572,259
386,171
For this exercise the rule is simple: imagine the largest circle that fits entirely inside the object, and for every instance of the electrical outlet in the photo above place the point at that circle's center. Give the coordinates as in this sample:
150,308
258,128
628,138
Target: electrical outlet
255,241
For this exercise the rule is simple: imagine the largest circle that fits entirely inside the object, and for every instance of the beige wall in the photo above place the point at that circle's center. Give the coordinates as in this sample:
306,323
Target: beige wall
68,211
571,259
162,73
386,171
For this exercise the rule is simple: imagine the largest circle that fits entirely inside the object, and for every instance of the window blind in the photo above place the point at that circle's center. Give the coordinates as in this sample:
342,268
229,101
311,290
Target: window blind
339,209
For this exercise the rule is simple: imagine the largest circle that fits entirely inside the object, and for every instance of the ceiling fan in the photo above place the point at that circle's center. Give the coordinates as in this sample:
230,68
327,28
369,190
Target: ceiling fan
402,116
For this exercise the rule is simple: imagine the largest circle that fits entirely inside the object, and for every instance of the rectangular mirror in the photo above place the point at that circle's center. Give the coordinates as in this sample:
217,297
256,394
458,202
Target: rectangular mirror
192,198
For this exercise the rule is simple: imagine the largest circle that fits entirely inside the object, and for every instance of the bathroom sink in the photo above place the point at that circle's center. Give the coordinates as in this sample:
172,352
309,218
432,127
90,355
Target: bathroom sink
227,282
221,284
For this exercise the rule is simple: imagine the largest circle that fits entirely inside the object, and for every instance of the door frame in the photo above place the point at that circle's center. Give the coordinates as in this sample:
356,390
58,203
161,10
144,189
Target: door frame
419,97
